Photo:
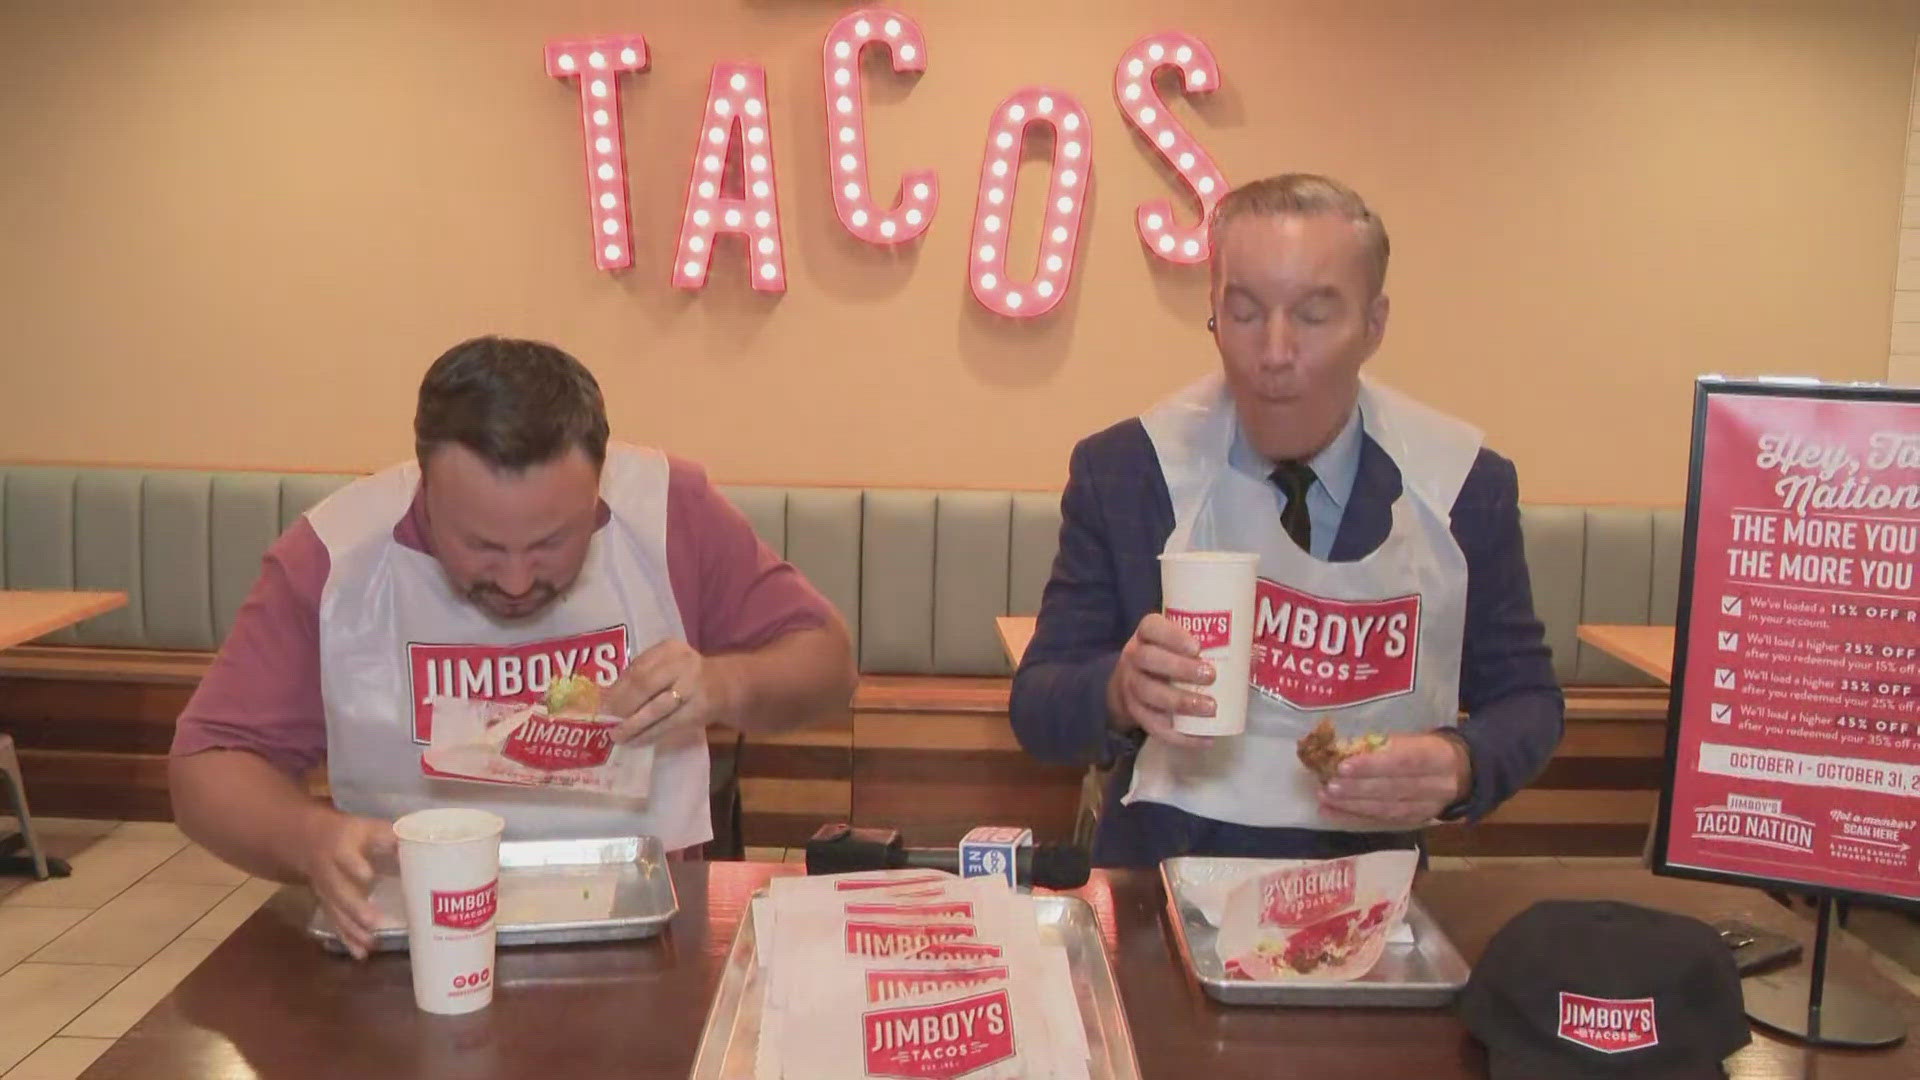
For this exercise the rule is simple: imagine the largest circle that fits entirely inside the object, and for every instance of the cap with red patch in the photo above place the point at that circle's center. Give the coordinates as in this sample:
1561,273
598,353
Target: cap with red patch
1599,988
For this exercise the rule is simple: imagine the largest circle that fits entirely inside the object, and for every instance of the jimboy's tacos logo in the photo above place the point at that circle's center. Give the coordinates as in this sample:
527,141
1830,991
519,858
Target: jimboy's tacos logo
517,674
931,877
1210,628
866,938
1608,1025
550,744
955,950
885,986
941,909
947,1039
1310,652
469,910
1746,819
1303,895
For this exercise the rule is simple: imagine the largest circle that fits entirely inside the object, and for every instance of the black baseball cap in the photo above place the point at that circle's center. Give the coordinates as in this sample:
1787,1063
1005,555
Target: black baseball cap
1600,989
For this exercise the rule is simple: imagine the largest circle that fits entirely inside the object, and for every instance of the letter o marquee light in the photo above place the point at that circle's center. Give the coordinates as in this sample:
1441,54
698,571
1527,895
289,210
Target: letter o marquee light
1069,179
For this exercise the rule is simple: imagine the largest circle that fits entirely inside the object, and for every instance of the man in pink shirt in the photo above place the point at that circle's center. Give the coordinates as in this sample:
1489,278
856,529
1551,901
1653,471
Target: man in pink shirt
520,546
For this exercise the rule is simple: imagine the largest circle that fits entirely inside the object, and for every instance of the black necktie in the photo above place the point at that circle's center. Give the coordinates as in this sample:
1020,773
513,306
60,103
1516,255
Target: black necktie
1293,479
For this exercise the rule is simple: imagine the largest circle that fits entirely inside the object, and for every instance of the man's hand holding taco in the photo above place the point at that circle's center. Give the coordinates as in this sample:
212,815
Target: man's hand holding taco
1402,780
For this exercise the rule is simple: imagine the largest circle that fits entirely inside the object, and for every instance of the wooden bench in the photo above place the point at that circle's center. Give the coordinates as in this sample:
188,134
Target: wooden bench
929,755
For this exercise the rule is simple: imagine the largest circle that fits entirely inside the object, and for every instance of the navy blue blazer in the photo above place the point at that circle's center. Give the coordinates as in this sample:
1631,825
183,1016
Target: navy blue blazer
1116,516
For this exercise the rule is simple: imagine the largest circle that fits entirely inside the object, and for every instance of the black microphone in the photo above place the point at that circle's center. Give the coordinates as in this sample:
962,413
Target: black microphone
842,849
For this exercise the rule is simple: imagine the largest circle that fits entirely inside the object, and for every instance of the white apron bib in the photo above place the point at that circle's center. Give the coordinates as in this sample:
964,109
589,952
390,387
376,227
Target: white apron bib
1374,644
394,634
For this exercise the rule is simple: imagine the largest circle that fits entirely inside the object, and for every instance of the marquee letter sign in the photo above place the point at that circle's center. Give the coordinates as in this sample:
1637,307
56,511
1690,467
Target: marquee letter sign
734,127
732,190
911,210
993,213
1141,104
597,63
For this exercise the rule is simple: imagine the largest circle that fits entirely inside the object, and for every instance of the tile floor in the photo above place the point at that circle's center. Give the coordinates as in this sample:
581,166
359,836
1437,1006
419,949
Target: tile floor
83,958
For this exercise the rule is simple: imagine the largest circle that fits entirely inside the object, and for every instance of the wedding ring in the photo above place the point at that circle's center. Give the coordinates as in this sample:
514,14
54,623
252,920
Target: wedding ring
678,698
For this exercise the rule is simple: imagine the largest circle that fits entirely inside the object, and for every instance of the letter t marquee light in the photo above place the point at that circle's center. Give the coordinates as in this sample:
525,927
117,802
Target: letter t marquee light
598,63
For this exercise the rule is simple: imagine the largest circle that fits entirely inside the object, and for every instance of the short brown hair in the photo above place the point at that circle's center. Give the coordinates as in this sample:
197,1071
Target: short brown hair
513,403
1305,194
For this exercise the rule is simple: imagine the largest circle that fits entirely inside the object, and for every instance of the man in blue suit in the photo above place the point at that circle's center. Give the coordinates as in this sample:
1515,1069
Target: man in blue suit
1362,506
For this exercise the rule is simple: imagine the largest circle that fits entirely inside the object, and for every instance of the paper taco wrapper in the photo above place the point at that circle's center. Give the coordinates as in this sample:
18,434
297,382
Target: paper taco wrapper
469,739
1320,921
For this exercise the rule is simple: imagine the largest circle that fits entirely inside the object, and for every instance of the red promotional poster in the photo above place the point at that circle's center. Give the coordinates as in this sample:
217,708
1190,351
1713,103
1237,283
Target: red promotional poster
1795,747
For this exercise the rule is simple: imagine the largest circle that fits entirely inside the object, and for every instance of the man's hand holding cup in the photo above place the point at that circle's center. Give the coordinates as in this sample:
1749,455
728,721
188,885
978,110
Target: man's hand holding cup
1182,677
1150,684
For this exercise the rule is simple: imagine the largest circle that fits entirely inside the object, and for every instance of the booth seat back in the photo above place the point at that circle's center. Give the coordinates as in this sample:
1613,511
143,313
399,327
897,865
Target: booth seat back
918,574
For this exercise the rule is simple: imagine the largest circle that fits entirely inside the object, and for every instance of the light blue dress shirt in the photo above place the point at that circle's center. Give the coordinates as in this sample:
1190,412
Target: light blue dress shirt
1334,469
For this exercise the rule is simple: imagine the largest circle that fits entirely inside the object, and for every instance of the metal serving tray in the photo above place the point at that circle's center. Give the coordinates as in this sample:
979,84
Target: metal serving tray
538,905
1428,973
732,1033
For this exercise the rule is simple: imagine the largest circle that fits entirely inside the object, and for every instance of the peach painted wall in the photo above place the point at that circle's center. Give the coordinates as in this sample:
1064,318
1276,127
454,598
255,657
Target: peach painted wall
235,234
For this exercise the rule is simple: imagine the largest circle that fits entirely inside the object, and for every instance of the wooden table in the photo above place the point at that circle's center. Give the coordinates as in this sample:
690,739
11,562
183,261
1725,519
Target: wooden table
269,1003
1016,632
1647,648
25,615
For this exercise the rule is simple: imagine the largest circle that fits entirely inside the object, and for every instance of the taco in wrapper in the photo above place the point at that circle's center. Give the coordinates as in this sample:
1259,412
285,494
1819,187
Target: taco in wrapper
1319,920
560,743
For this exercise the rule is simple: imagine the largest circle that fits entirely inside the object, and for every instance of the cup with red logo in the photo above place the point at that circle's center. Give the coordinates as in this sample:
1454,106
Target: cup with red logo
450,873
1210,594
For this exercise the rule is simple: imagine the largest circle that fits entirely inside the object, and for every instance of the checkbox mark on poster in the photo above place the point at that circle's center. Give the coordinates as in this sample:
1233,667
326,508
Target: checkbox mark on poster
1731,605
1723,678
1722,713
1729,641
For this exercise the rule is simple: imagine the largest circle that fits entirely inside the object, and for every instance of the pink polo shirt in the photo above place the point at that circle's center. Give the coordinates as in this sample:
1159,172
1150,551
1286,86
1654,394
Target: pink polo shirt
262,693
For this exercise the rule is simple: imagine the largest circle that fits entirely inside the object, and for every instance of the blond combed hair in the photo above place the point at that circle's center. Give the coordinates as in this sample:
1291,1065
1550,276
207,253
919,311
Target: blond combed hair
1305,194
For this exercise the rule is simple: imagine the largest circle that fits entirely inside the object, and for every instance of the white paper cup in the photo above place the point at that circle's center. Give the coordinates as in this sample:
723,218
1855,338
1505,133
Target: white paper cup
450,873
1211,594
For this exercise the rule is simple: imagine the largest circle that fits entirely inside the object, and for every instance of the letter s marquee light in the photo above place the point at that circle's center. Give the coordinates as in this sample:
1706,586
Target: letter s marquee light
1140,103
1070,176
597,63
736,108
919,192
